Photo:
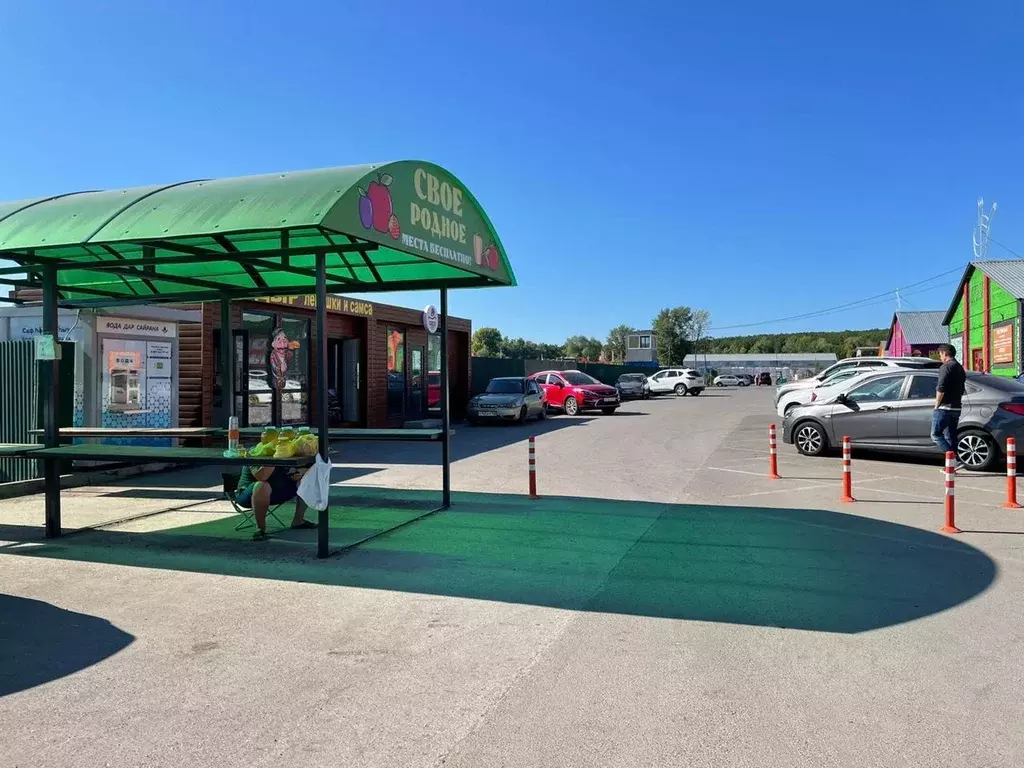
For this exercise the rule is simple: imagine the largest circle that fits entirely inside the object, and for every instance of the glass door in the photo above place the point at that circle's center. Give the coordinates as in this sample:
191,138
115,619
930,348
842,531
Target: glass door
241,384
334,382
417,406
259,394
352,380
289,366
396,374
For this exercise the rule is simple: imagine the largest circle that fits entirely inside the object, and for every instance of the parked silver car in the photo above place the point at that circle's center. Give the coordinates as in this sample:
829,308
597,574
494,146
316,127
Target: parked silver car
511,398
892,411
857,364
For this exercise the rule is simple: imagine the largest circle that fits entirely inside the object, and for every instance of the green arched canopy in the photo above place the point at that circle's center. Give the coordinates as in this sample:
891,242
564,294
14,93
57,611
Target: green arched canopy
397,226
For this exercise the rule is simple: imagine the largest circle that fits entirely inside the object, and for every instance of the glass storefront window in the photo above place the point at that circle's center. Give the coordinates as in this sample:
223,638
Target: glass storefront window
289,363
396,372
258,327
434,372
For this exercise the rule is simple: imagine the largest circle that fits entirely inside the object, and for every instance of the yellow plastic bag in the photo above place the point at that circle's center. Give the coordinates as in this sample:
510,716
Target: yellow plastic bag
285,449
306,444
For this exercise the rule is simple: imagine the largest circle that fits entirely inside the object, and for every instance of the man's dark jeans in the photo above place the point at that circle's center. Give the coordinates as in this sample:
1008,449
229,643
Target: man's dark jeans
944,425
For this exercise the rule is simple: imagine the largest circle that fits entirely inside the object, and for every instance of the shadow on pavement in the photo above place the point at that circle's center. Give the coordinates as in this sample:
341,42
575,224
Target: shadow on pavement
40,642
170,492
795,568
467,441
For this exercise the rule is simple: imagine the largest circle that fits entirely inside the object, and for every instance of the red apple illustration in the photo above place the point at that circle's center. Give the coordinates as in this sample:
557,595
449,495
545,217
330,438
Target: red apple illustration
380,199
394,228
491,257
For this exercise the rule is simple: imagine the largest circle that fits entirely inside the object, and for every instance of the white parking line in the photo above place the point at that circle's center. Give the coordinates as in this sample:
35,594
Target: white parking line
916,496
782,490
738,471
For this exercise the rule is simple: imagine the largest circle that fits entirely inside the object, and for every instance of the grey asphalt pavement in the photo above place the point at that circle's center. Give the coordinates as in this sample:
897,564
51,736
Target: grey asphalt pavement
665,603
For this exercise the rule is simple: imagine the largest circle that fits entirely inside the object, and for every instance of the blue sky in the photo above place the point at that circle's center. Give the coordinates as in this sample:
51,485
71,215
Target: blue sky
757,160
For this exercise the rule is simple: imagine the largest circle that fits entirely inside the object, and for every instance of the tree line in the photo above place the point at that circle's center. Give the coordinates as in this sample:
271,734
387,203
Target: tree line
841,343
677,332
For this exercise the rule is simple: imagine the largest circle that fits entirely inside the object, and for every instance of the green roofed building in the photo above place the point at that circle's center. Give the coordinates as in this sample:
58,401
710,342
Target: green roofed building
984,318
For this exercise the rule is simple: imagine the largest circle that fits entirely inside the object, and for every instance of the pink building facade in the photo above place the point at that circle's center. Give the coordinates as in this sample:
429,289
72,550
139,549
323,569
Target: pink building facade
916,334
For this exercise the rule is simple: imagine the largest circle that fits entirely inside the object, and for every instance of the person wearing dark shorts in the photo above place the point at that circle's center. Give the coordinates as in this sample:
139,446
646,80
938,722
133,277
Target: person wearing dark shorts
260,488
949,395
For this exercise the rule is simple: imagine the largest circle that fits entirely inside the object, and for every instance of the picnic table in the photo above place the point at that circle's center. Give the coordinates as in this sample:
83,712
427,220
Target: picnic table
16,450
145,454
346,434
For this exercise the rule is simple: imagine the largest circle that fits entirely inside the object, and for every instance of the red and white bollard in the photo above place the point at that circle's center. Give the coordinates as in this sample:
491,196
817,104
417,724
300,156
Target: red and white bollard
1011,474
773,459
950,526
533,468
847,476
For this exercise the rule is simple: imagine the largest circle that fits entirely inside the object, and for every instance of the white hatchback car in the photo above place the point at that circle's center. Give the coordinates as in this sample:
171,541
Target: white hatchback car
681,381
794,398
728,380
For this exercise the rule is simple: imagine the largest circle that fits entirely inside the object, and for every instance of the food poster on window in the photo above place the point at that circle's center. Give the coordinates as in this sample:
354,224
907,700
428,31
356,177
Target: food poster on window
135,388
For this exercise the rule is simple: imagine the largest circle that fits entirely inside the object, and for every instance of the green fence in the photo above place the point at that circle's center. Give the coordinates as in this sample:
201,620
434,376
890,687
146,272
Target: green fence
21,404
487,368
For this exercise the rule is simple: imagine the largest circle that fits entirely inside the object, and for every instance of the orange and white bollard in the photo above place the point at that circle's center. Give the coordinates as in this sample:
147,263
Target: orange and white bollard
847,476
773,459
950,526
1011,474
533,468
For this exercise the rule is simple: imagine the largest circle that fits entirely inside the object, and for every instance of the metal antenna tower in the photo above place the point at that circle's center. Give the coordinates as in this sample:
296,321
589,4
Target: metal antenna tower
981,230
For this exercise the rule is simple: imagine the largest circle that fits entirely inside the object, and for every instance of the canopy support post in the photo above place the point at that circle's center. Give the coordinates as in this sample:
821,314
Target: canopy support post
323,519
227,361
49,382
446,448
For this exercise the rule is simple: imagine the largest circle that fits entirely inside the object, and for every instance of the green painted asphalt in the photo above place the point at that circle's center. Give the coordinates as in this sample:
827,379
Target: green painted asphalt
808,569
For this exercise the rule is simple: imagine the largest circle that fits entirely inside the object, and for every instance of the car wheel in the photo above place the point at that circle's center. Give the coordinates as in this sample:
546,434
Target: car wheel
719,384
608,411
680,390
543,412
977,451
647,395
810,439
522,415
571,406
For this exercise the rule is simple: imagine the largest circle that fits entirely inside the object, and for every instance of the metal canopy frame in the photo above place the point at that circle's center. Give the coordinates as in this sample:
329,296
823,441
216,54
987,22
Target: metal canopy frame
114,272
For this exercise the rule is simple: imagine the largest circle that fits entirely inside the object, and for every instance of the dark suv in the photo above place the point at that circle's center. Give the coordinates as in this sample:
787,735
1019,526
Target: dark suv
764,379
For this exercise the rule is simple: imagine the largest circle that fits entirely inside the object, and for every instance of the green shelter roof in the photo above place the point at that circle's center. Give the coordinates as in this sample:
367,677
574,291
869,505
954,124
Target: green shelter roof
397,226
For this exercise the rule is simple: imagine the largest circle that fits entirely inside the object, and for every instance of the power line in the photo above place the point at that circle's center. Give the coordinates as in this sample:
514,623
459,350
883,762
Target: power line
1008,250
858,304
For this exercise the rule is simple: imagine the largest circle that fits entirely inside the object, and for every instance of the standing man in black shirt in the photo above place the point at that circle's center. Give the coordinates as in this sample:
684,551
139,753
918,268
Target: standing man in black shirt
949,395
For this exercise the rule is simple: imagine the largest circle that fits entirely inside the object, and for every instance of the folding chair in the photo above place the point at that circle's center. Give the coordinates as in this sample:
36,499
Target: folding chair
248,516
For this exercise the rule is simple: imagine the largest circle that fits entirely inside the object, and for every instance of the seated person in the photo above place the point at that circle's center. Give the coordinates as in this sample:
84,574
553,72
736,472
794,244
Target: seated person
259,488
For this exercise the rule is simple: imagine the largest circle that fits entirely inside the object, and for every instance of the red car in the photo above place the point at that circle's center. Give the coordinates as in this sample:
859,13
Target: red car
575,391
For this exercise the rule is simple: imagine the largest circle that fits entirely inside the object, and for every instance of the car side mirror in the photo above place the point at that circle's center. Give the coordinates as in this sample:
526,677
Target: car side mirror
842,399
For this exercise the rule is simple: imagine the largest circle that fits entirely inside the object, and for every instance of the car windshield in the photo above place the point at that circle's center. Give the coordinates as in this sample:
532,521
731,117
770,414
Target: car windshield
505,387
631,378
579,379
